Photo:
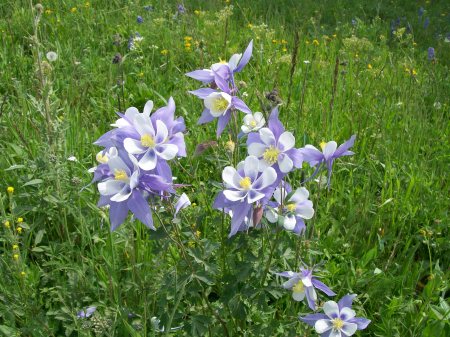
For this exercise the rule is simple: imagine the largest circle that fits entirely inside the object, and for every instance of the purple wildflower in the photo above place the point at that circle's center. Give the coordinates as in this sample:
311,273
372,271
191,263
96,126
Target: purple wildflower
246,186
329,153
426,23
86,312
274,146
290,209
181,9
223,72
339,319
124,187
431,54
139,19
303,286
219,105
420,12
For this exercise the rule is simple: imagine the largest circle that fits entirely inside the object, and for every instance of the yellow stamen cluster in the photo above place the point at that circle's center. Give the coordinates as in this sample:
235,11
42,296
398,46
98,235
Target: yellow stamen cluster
245,183
291,207
337,323
147,141
299,287
271,155
220,104
120,175
253,123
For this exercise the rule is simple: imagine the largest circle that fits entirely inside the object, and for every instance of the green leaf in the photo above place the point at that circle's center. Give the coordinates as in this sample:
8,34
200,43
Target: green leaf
38,237
33,182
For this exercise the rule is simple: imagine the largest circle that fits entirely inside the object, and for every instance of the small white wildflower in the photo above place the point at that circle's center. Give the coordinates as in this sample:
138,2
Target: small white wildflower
52,56
253,122
72,158
437,105
306,62
245,94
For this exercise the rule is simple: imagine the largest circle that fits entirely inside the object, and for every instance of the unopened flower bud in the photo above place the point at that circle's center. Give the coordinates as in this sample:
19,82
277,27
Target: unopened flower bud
39,8
230,146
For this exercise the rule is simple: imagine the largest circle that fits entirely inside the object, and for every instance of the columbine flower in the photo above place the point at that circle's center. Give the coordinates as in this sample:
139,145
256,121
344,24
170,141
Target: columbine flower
302,285
52,56
274,146
329,153
153,137
86,312
292,210
245,185
219,105
339,319
124,187
253,122
223,72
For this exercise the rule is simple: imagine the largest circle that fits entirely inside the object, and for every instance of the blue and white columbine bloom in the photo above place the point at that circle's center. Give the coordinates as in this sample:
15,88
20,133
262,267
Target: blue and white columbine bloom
339,319
290,212
245,187
303,286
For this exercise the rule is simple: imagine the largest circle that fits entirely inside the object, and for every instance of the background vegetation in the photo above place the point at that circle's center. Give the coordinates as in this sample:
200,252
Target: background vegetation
359,67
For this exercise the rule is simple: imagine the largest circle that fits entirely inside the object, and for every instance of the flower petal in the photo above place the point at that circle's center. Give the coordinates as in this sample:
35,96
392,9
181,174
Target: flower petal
254,196
256,149
123,194
298,296
347,313
331,309
110,187
230,177
147,108
349,328
133,146
329,149
234,195
267,178
267,136
161,132
305,210
166,151
323,325
286,140
251,165
149,160
289,222
301,194
285,163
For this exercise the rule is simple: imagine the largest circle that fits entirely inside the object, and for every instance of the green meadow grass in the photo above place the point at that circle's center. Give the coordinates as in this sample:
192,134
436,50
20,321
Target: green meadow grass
381,230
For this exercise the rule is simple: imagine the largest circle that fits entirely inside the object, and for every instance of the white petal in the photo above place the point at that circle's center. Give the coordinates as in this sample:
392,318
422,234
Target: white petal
234,195
234,60
134,179
245,129
148,108
347,313
298,296
133,146
331,309
148,161
312,293
267,178
116,163
254,196
259,117
267,136
271,215
335,333
256,149
167,151
263,165
289,222
287,140
132,112
251,165
123,195
285,163
349,328
248,118
301,194
307,281
120,123
230,177
110,187
329,149
143,125
304,211
323,325
161,132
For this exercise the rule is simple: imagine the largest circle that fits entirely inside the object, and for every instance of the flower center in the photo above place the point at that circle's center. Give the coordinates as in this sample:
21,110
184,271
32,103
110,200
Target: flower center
101,158
245,183
253,123
147,141
299,287
271,155
220,104
120,175
337,323
322,145
291,207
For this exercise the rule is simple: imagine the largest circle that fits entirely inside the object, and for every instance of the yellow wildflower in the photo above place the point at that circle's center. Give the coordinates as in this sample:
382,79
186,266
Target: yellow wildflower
414,72
73,9
307,41
141,74
197,233
19,230
369,66
19,220
187,45
164,52
15,247
274,41
23,274
87,4
334,35
10,189
285,49
414,44
16,257
187,38
193,204
48,11
315,42
250,25
197,12
283,41
7,224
